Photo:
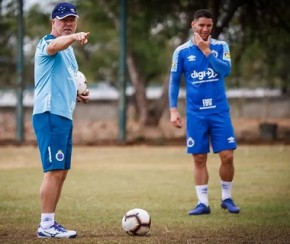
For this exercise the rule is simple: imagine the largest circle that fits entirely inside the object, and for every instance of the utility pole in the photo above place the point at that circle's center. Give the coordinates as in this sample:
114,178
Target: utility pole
122,72
20,75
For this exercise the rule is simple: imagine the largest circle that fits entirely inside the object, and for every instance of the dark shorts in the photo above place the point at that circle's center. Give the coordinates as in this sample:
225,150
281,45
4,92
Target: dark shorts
214,130
54,138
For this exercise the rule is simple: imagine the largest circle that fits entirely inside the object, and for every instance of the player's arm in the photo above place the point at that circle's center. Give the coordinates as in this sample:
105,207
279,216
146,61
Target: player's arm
173,91
63,42
174,84
220,65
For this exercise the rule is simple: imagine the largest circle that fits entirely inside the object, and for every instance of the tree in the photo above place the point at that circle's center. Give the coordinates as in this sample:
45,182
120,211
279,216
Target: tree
252,28
8,11
147,61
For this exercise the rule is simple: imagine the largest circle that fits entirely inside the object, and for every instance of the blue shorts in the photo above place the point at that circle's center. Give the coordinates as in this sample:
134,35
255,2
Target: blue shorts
54,138
205,130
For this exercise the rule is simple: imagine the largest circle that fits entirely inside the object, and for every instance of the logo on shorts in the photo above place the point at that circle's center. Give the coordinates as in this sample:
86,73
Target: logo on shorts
231,140
190,142
59,155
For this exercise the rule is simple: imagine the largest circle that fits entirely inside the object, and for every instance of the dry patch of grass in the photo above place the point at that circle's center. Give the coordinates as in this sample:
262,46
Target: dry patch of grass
105,182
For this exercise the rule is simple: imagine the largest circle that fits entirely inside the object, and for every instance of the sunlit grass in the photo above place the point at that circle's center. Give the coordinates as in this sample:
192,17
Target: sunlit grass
105,182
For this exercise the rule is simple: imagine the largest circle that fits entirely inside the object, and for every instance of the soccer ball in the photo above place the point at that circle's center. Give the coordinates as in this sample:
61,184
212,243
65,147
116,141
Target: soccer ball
81,83
136,222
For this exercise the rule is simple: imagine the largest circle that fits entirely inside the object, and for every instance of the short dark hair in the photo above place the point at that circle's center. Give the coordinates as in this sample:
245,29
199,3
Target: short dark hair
202,13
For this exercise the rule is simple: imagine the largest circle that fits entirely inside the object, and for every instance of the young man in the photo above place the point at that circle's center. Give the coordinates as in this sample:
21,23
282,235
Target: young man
55,97
205,62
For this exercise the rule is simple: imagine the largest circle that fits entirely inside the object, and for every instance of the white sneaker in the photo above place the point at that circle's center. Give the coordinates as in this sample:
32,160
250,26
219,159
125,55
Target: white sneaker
55,231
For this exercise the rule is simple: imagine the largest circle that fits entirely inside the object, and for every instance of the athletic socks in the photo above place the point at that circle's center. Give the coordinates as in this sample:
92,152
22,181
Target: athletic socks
47,220
226,189
201,192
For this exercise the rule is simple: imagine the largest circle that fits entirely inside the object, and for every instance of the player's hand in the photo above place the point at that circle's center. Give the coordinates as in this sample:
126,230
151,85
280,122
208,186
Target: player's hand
202,44
82,37
175,118
84,97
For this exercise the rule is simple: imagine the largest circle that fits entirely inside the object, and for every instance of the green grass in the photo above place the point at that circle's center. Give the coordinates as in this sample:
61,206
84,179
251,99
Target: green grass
105,182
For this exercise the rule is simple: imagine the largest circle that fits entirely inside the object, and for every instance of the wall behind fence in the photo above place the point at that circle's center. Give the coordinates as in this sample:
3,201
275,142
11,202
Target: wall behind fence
97,121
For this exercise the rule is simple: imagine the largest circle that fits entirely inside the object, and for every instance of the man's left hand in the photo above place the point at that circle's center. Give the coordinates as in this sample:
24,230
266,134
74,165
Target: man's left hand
84,97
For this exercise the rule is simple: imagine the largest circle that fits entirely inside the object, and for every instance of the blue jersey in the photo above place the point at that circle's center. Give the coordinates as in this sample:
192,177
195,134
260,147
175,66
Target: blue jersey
204,77
55,80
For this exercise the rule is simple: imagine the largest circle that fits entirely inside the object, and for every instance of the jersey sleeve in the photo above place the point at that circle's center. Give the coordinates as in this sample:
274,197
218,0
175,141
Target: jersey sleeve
174,81
221,63
44,42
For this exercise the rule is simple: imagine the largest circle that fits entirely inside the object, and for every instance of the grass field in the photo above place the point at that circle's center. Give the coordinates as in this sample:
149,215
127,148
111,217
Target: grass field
105,182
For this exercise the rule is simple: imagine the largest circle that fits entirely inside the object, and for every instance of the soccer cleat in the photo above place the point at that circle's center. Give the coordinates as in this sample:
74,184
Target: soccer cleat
230,206
56,231
199,209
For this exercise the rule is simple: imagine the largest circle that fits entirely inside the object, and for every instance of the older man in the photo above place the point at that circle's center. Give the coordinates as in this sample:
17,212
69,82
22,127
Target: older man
55,98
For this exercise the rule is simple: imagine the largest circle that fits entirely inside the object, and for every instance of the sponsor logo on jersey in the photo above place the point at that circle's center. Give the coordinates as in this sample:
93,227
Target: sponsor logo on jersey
231,140
204,75
207,104
59,155
190,142
191,58
173,66
215,53
227,55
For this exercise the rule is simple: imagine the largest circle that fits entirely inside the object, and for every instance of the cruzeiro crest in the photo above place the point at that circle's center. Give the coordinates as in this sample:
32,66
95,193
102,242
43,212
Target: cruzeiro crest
190,142
59,155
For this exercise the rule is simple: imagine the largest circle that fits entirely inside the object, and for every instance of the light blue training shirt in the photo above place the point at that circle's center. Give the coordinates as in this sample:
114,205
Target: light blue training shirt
55,80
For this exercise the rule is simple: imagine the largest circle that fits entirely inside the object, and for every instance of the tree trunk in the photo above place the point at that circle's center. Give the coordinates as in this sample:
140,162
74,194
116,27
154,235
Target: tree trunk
140,89
148,114
158,107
